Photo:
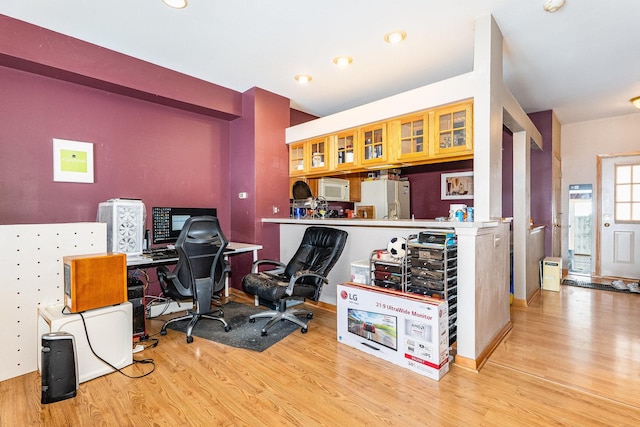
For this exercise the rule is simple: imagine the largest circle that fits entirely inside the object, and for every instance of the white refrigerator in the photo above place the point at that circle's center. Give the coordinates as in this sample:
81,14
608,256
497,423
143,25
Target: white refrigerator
390,198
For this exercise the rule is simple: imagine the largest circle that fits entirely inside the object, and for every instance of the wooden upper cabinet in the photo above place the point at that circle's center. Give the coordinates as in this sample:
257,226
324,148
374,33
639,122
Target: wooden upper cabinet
429,136
453,131
409,137
319,155
345,150
297,166
309,157
373,148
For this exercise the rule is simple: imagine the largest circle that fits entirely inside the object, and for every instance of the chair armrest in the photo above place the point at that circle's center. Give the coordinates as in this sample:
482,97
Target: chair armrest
164,276
258,263
301,274
164,271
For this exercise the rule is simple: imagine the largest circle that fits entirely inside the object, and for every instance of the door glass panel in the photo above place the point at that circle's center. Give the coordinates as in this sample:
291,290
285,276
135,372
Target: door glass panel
445,122
627,193
405,130
297,159
459,119
459,137
317,150
412,137
580,223
345,149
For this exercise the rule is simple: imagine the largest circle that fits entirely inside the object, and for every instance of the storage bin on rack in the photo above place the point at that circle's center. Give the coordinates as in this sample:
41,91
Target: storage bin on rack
386,271
432,269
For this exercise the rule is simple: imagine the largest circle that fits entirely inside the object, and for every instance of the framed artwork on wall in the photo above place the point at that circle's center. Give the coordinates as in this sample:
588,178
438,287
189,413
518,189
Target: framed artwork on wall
457,185
72,161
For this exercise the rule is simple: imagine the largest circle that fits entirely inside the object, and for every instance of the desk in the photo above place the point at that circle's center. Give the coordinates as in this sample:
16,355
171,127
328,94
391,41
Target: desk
233,248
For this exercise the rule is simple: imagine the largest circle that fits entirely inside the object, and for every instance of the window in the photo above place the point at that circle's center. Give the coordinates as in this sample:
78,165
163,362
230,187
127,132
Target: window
627,195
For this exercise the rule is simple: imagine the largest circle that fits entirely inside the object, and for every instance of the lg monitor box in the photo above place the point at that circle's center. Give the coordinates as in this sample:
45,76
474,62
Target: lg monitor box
94,281
408,330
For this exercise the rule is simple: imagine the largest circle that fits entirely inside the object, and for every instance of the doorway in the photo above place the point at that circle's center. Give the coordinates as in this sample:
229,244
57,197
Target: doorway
618,237
580,228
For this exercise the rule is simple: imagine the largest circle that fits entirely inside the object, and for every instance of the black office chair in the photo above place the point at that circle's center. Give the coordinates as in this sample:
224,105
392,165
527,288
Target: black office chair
200,272
302,278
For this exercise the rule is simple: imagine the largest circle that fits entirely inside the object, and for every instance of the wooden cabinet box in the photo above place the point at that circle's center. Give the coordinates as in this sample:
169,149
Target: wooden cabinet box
94,281
373,150
453,131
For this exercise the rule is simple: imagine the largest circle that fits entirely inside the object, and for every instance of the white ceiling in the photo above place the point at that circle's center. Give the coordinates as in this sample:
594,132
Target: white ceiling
582,61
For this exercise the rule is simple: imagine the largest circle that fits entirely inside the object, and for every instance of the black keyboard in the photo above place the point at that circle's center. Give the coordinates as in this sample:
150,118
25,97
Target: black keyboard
163,254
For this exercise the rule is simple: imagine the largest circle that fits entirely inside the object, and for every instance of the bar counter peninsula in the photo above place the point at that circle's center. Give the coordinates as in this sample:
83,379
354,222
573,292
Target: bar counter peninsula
483,271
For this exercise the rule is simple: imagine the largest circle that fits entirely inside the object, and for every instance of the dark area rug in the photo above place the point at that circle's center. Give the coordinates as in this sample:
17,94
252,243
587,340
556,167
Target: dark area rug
600,286
242,334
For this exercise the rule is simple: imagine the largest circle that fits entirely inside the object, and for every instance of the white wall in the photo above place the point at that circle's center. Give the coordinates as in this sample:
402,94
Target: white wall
581,144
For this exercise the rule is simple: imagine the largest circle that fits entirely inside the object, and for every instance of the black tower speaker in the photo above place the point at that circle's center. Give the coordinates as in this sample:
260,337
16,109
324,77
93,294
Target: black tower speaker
59,370
135,291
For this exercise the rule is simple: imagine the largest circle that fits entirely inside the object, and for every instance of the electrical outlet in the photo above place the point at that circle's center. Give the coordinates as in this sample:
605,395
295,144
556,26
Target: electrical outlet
275,210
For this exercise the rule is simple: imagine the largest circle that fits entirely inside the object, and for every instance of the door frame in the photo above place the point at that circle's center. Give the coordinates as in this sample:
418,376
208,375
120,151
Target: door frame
598,225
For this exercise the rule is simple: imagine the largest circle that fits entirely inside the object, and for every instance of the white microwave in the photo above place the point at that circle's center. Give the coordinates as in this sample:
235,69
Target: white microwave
334,189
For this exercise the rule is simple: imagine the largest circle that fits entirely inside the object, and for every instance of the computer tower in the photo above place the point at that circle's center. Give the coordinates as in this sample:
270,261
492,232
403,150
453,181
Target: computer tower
59,372
135,290
125,219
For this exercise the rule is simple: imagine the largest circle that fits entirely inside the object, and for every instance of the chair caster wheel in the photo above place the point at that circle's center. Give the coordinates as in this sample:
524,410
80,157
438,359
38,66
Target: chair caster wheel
263,333
163,332
310,316
304,330
189,340
252,320
227,328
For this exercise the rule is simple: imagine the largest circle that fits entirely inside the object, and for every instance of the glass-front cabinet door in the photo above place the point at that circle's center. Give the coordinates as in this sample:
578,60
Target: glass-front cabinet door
374,144
296,159
408,137
318,152
453,133
345,149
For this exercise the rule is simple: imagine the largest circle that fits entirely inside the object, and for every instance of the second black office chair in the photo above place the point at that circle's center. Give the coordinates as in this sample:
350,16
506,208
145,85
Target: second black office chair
302,278
200,272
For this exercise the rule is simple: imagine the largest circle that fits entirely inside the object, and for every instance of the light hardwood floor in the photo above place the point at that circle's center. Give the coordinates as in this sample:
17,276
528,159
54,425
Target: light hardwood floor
571,359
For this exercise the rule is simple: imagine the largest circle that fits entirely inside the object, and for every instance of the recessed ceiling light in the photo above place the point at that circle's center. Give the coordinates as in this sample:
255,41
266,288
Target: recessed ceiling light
636,102
342,60
553,5
303,78
395,36
176,4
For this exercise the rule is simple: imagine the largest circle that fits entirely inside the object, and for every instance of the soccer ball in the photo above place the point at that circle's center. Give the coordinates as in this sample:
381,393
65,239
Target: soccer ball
397,247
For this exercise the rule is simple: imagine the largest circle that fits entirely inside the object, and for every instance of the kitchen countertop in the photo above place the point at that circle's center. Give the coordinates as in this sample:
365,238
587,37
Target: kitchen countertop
404,223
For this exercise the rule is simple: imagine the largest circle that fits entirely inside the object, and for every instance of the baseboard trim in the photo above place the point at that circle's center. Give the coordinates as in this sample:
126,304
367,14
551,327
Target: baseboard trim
477,364
527,302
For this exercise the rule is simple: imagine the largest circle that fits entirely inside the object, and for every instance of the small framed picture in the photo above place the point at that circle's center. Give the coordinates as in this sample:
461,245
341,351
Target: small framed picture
457,185
72,161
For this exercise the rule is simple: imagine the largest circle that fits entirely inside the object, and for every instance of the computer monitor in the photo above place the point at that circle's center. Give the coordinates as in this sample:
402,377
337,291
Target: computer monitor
167,222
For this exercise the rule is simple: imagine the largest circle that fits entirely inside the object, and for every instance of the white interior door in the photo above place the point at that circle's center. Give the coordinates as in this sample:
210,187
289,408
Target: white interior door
620,216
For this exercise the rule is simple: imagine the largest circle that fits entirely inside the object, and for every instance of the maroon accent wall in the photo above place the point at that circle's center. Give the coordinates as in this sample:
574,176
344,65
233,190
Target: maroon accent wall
425,182
142,150
37,50
297,117
258,167
542,177
541,185
507,173
158,135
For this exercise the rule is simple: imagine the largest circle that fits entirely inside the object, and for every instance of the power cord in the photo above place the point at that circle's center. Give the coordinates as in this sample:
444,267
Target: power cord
140,361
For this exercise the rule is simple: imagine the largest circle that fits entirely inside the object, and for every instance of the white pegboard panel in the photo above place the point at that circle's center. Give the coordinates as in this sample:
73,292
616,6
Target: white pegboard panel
33,276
